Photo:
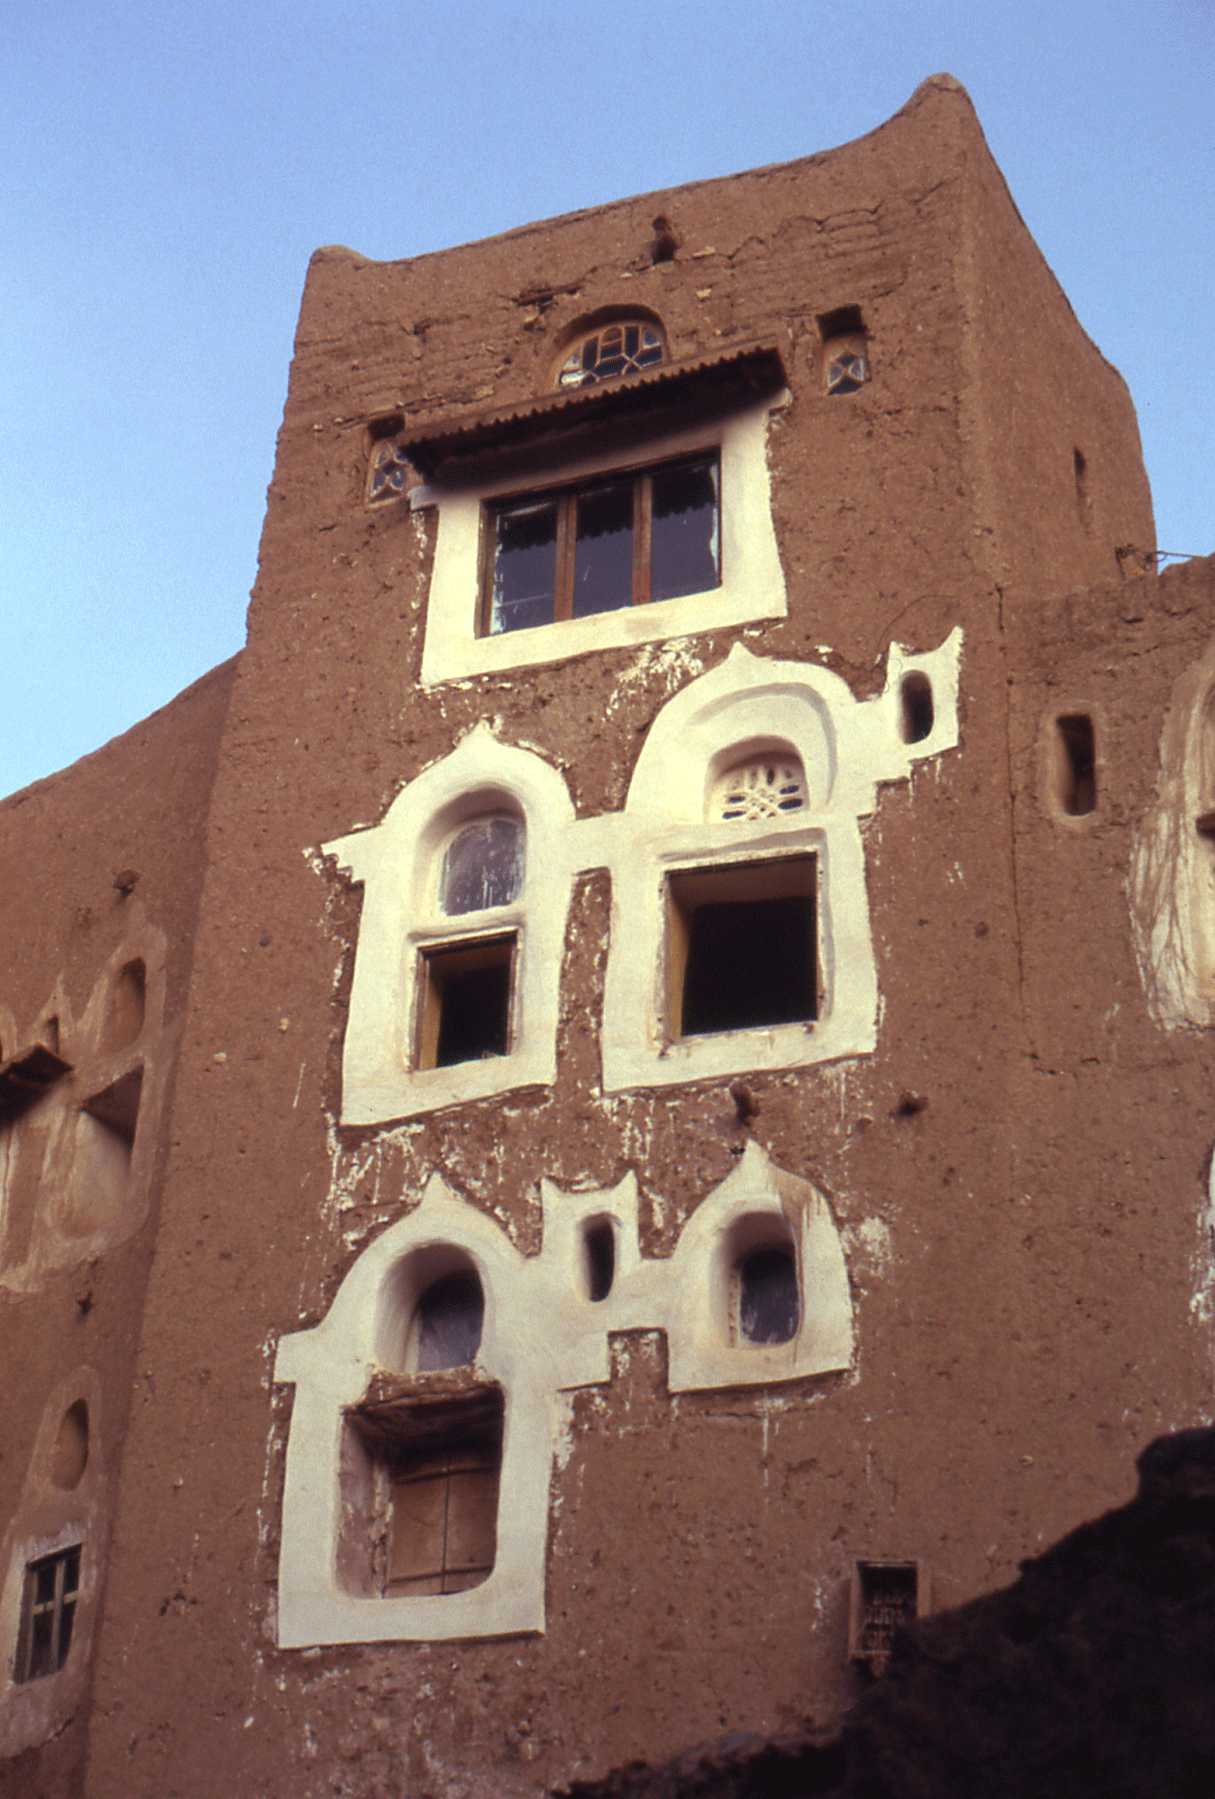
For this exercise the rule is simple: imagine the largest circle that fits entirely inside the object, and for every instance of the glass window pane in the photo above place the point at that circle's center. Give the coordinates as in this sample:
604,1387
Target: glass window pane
525,566
603,563
684,556
482,866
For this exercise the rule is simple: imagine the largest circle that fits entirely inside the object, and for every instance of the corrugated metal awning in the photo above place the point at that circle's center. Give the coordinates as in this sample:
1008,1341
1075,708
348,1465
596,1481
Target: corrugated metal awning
730,375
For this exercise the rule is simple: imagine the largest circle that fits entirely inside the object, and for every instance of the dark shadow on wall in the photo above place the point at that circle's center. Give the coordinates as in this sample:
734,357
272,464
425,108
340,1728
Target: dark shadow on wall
1093,1675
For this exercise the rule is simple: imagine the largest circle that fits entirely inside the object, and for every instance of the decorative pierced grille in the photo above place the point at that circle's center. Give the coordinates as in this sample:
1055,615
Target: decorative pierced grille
389,468
763,788
613,350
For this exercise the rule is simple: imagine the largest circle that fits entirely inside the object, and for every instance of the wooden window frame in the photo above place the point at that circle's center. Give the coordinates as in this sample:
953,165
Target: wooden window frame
567,532
61,1606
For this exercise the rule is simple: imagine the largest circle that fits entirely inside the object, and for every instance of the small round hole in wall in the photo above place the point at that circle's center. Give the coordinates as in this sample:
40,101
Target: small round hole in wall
916,712
71,1454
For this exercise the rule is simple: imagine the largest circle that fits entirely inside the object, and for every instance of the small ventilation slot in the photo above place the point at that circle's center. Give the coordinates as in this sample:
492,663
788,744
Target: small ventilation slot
1077,764
916,714
599,1258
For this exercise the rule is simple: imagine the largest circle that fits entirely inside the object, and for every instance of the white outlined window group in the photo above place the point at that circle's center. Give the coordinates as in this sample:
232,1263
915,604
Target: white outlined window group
739,931
425,1416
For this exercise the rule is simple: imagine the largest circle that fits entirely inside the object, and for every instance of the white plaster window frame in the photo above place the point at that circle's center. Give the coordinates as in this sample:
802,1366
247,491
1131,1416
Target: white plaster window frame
752,583
367,1329
397,862
846,748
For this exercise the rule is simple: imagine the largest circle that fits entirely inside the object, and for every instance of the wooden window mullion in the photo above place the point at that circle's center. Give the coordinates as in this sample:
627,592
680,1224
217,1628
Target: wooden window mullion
567,540
642,517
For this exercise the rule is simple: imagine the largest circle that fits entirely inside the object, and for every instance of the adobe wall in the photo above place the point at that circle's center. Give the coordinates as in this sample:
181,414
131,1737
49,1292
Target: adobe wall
77,1230
699,1546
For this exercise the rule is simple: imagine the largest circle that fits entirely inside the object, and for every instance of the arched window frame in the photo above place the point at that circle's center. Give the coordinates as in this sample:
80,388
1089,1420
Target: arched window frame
846,748
398,862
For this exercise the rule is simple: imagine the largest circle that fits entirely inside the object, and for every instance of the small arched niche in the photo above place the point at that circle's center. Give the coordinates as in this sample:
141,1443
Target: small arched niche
760,1281
125,1006
70,1456
432,1312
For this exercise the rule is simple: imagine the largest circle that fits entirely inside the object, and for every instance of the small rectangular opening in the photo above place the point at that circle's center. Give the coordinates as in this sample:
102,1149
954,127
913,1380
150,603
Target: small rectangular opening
743,946
467,994
885,1597
1077,765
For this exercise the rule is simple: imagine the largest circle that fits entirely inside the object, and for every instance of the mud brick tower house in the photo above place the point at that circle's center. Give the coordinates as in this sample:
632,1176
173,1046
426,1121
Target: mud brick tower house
625,1098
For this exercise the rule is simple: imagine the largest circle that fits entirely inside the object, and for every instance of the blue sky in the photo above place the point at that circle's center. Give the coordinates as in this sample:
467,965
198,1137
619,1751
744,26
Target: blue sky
171,167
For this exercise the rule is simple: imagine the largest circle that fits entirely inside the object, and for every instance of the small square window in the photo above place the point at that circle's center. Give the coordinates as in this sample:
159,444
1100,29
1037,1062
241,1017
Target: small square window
743,947
653,534
467,993
48,1608
885,1597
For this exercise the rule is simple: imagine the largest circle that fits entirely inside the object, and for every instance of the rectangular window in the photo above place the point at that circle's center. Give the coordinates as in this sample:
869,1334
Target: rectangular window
466,1002
420,1493
48,1607
609,543
743,946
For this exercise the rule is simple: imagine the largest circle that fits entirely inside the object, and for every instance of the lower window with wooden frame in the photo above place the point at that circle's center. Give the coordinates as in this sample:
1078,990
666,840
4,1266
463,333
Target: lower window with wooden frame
48,1610
621,540
421,1480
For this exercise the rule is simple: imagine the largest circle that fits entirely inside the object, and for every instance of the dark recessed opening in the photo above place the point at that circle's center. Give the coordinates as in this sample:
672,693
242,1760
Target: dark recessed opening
768,1307
449,1319
599,1249
845,321
1077,764
885,1599
1080,470
466,1005
749,941
916,709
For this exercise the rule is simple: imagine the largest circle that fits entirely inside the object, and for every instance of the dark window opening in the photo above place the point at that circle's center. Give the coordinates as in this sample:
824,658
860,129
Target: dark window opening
886,1596
769,1307
650,535
743,947
448,1321
466,1002
916,709
48,1609
423,1513
599,1250
1077,765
